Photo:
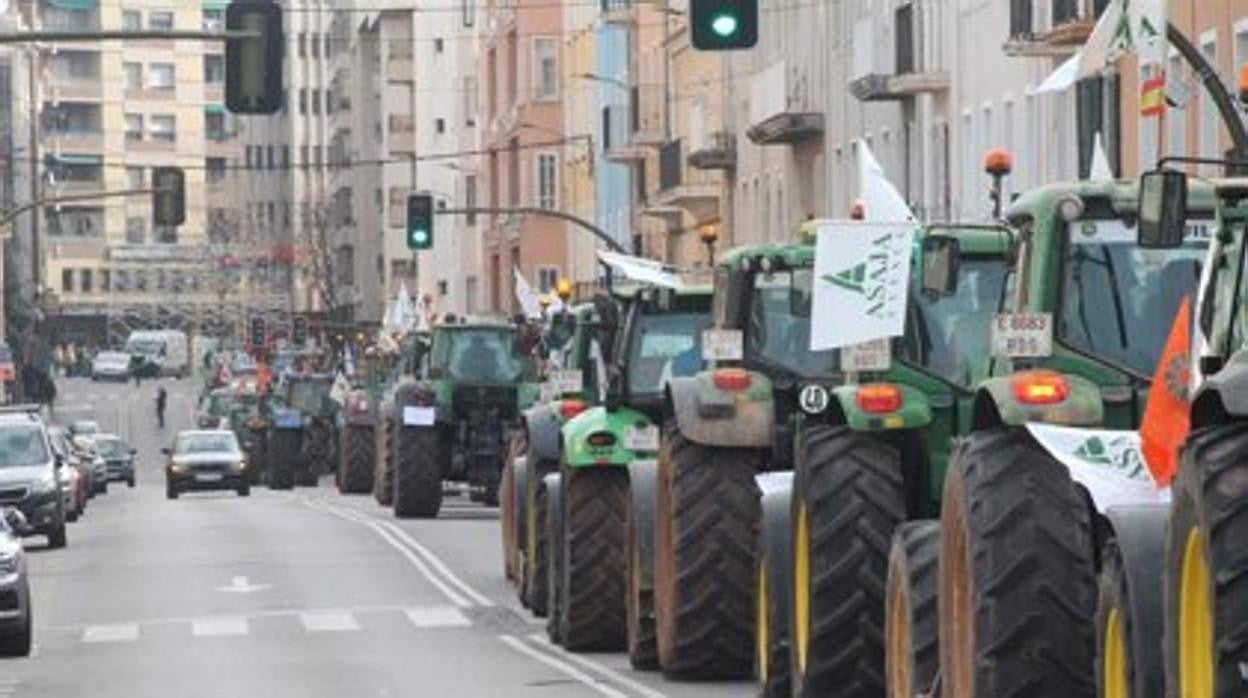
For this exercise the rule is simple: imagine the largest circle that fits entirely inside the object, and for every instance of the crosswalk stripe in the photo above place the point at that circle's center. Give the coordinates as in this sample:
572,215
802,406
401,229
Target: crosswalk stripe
437,617
219,627
328,622
111,633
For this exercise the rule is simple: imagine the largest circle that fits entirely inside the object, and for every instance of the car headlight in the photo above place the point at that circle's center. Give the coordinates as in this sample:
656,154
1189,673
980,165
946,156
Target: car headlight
178,468
8,562
241,465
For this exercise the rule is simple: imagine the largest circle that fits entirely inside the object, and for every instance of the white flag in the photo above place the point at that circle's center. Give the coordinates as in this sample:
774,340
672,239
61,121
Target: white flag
646,271
862,278
525,295
338,392
1101,171
1137,26
883,202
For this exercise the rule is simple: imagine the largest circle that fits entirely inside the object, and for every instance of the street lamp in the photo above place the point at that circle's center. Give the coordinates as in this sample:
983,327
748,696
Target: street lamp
709,235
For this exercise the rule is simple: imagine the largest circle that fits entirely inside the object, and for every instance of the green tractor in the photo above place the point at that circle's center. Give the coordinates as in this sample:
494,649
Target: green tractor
601,496
1048,486
407,367
453,422
360,415
571,385
301,441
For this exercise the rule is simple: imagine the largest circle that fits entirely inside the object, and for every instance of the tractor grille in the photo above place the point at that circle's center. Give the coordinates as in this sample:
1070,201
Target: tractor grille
470,400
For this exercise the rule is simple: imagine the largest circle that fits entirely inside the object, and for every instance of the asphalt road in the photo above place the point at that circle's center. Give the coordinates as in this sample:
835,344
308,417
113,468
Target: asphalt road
303,594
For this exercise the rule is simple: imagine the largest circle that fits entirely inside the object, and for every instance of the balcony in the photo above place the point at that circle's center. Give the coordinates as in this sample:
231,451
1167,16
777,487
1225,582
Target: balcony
1068,26
719,153
780,109
916,63
679,188
618,143
90,141
69,16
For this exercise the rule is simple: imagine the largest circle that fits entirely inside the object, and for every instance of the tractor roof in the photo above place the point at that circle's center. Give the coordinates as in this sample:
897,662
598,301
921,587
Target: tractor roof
1122,195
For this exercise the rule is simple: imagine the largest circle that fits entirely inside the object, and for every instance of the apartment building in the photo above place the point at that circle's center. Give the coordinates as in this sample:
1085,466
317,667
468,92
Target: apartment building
16,133
525,143
108,113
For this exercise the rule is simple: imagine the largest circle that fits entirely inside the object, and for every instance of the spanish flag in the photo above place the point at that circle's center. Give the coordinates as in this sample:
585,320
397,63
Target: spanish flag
1153,96
1166,418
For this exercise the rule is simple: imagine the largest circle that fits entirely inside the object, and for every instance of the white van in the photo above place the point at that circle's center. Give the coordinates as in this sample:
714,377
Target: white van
168,349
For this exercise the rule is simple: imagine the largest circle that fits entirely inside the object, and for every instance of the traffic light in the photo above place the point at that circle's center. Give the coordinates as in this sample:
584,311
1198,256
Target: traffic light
299,333
724,25
419,222
256,332
253,65
168,196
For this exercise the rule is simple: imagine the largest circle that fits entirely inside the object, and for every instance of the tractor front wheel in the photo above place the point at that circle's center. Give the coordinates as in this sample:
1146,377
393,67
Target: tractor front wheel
593,563
418,473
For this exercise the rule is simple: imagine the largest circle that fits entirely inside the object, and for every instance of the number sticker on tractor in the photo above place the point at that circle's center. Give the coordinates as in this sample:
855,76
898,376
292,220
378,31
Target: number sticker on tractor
547,392
418,416
566,382
875,355
642,439
723,345
1022,335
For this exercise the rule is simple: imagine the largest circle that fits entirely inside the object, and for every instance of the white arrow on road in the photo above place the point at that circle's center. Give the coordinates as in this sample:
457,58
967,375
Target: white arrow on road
241,585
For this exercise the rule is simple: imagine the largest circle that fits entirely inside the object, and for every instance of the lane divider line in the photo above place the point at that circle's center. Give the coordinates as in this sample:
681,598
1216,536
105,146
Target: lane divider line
411,557
563,667
603,670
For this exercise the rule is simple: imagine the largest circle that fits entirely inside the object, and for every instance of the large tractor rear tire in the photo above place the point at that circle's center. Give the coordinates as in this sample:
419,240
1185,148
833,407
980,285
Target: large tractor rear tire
593,563
706,533
643,647
1017,579
383,475
355,471
1206,588
509,505
418,473
775,565
848,498
553,485
910,631
536,542
283,452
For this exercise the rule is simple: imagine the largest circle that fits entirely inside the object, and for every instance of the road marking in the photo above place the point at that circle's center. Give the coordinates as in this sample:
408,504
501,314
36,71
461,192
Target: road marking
393,542
219,627
437,617
242,585
567,669
603,670
328,622
111,633
478,597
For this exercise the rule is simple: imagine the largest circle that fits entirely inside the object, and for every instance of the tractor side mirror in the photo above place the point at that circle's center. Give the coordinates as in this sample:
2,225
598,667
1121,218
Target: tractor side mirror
941,257
605,325
1163,209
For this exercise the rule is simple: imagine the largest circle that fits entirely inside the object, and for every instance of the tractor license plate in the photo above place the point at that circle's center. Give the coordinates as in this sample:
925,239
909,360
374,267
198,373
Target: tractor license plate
208,477
566,381
1023,335
875,355
418,416
642,439
723,345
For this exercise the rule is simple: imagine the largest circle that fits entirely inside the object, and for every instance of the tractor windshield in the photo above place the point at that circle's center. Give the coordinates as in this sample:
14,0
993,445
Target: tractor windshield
483,354
778,328
307,395
665,346
1119,300
951,337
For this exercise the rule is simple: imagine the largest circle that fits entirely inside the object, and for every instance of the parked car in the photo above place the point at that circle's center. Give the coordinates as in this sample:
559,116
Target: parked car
110,365
118,456
28,474
74,474
83,448
83,427
209,459
15,616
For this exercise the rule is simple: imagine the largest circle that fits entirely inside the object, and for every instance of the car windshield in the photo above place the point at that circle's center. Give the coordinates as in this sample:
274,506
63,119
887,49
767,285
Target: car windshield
112,448
1119,300
665,346
22,445
191,444
84,428
778,327
482,355
951,334
149,347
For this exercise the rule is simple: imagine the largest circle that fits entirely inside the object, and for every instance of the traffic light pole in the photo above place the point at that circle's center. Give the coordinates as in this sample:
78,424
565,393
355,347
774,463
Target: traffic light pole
27,37
7,217
535,211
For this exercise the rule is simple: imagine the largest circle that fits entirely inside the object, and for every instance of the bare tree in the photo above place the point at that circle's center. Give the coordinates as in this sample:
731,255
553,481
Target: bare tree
315,233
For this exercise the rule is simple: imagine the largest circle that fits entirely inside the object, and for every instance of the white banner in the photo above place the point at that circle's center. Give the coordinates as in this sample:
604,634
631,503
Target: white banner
646,271
1135,26
862,276
526,297
1108,463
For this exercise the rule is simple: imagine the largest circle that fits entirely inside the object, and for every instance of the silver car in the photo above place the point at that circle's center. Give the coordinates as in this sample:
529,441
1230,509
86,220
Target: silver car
15,623
110,365
206,459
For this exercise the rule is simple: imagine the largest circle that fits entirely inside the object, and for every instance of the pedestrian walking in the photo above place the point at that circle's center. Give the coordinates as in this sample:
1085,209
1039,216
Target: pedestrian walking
161,398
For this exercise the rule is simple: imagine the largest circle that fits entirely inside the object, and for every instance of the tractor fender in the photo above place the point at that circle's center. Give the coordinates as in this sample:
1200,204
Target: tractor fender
710,416
1140,536
915,411
643,479
542,427
1223,394
1107,463
620,423
405,394
996,405
352,415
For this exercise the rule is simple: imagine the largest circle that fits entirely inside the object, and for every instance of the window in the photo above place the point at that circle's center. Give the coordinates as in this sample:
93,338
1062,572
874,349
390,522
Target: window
316,46
271,157
131,20
1208,111
160,20
214,126
470,198
285,156
303,100
136,230
163,128
547,181
303,45
437,45
439,125
470,101
546,68
470,12
106,278
87,281
547,277
134,75
135,178
160,76
214,19
67,280
214,68
316,101
134,127
214,170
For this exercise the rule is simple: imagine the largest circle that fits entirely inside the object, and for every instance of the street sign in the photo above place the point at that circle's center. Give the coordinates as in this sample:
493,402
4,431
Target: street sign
253,65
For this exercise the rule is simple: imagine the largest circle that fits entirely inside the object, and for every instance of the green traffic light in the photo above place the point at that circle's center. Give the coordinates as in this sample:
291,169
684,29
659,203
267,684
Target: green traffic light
724,25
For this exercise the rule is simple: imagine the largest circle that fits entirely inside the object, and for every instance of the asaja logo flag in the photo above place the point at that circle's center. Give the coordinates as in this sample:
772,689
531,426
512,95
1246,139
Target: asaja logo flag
862,276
